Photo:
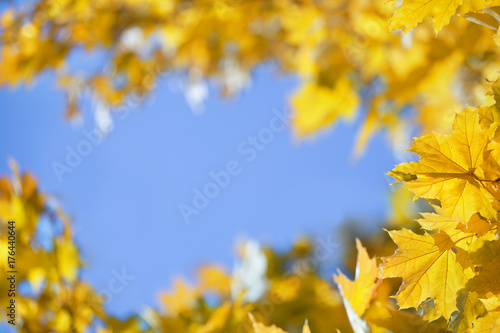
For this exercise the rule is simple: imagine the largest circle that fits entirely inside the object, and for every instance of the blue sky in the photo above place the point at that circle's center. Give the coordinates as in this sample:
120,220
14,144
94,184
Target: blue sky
124,196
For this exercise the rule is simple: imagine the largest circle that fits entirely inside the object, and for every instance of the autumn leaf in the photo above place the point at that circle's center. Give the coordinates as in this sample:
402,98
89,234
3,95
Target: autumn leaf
388,317
469,308
459,232
488,324
491,321
484,255
360,292
450,168
430,267
357,324
443,222
413,12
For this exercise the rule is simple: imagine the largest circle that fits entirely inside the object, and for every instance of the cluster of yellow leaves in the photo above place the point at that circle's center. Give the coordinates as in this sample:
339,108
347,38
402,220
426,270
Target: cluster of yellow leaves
412,12
449,270
452,262
57,299
449,264
337,48
292,297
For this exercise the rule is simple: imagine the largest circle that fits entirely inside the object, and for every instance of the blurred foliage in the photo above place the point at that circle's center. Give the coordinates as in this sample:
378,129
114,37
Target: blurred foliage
342,52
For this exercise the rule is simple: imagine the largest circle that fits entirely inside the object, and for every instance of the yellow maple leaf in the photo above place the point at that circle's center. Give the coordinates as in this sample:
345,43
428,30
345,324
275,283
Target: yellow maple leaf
386,316
491,321
488,324
470,307
430,267
450,168
412,12
359,292
456,229
432,221
484,255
